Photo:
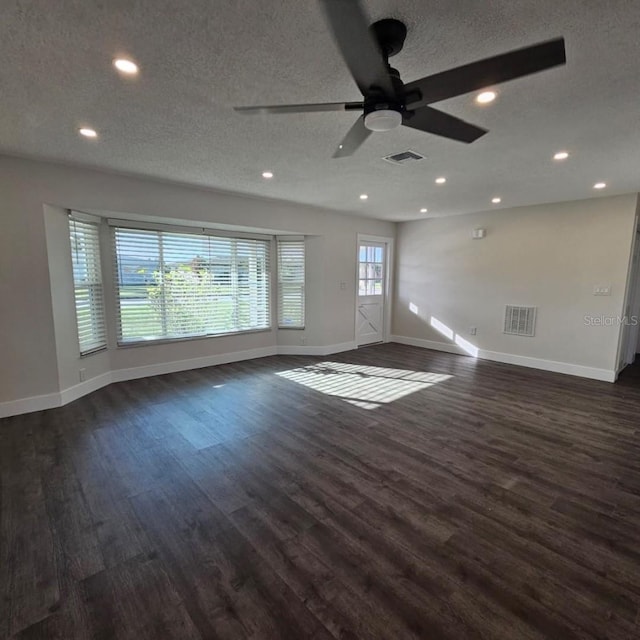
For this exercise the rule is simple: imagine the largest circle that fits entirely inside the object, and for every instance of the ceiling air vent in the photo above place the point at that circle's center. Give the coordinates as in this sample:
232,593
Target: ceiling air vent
403,157
520,321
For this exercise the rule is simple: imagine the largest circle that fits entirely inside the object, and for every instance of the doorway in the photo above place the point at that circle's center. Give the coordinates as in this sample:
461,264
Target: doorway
372,321
631,328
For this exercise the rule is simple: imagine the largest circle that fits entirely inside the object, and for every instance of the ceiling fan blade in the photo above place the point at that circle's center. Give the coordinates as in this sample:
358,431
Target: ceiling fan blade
442,124
485,73
301,108
359,49
354,138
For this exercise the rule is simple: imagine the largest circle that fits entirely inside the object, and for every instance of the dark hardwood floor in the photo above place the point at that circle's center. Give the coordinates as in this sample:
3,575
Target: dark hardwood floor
286,498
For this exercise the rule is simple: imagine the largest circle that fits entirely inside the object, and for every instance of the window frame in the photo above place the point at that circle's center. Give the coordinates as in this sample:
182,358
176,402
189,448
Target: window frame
95,290
292,240
219,235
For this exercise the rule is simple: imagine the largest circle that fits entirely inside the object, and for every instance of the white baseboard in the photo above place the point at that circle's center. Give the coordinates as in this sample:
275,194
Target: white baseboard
297,350
339,348
28,405
592,373
429,344
83,388
305,350
121,375
58,399
568,368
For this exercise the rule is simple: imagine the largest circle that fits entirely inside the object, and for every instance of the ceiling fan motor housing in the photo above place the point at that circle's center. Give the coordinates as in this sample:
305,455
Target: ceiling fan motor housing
381,113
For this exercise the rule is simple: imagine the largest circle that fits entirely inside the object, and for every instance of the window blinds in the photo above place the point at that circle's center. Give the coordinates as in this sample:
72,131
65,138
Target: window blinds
87,282
291,284
178,285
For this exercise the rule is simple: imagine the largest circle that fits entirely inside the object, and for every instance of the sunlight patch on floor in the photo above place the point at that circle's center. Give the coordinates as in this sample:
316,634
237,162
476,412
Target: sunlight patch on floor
364,386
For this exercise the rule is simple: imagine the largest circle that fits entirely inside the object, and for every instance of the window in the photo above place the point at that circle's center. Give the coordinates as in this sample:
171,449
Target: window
87,283
371,270
291,284
179,285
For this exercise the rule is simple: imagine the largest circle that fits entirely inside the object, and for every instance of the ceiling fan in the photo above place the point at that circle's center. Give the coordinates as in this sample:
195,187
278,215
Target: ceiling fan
388,102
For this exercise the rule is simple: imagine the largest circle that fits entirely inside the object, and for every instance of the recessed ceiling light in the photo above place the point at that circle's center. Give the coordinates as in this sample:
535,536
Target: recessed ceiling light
496,200
87,132
423,210
561,155
126,66
363,196
267,174
486,97
599,185
440,180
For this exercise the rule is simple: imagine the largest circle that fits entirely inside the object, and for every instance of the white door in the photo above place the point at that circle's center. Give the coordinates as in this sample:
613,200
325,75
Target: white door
371,292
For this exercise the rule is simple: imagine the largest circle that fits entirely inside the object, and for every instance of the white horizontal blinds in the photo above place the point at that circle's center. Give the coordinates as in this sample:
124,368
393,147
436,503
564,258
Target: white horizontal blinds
87,283
291,284
178,285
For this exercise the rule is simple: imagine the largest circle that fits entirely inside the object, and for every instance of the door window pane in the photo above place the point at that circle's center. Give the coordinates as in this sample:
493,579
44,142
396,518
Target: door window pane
370,270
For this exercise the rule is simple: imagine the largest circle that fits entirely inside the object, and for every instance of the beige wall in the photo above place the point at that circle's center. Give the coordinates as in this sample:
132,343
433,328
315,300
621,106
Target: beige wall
548,256
38,346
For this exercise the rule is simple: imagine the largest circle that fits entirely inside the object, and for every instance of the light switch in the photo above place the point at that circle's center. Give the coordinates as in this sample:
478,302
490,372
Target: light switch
602,290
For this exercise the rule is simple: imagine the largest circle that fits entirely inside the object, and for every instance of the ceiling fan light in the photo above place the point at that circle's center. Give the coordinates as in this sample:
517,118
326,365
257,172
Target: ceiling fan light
486,97
382,120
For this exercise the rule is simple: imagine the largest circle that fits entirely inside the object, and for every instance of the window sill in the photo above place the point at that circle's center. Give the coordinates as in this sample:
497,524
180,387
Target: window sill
86,354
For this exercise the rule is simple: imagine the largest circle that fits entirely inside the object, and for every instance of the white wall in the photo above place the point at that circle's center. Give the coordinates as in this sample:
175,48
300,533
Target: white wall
38,345
548,256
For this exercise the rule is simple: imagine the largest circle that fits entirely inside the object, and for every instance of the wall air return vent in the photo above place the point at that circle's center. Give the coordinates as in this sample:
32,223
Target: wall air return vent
404,157
520,321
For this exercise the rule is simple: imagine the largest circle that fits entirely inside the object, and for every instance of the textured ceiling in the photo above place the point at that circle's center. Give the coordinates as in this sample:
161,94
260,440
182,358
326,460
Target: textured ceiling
198,58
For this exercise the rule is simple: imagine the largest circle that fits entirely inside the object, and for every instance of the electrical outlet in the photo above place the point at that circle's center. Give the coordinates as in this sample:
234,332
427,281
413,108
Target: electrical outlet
473,331
303,339
83,375
602,290
343,285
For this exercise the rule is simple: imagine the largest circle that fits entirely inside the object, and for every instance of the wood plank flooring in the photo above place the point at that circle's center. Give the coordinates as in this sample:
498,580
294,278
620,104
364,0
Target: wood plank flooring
390,492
